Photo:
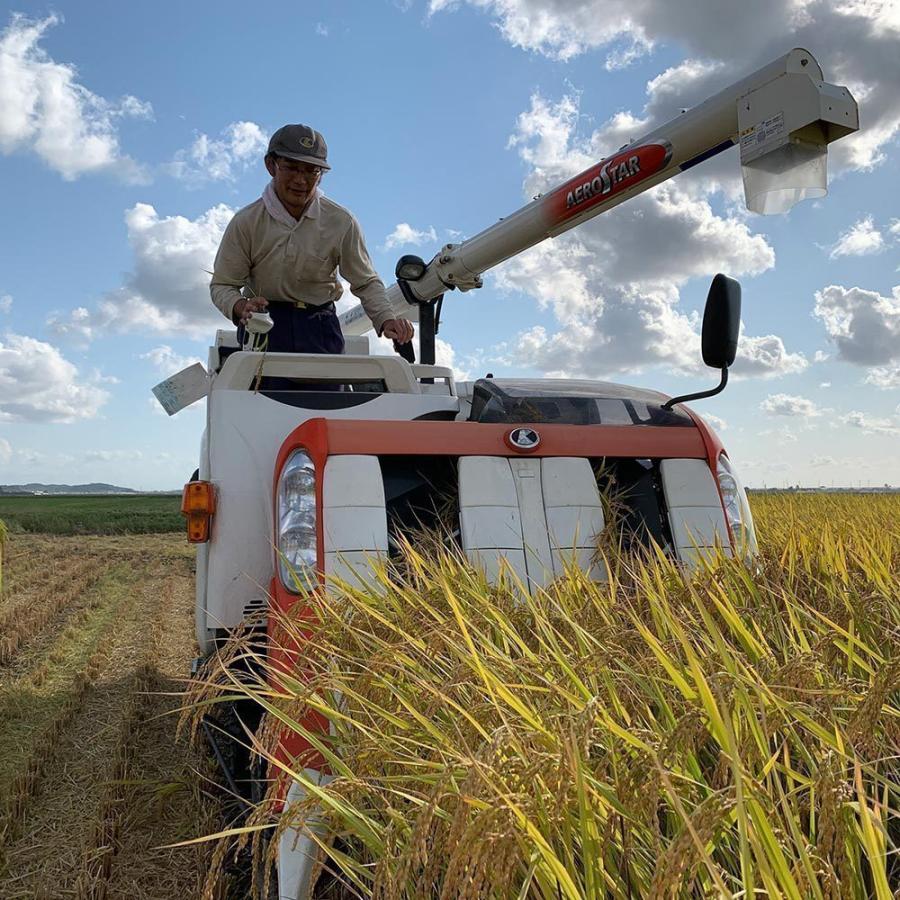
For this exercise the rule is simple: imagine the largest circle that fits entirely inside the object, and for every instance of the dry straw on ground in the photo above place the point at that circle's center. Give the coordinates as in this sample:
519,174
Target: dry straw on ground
92,780
729,735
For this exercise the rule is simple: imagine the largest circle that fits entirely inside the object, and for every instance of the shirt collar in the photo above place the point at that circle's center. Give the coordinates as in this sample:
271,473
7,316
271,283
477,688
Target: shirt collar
276,209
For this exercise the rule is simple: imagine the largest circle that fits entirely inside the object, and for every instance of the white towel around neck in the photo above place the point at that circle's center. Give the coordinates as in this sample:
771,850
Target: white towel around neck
276,209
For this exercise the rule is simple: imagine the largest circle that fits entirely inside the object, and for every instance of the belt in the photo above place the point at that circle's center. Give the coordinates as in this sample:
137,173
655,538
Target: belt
301,304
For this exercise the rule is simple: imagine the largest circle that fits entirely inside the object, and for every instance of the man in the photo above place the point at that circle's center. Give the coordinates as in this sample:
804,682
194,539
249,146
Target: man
282,254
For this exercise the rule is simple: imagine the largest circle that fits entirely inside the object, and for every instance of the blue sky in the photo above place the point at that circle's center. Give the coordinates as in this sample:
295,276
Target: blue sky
130,133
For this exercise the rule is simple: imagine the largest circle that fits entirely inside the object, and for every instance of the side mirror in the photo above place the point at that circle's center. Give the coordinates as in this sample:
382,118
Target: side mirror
719,340
721,322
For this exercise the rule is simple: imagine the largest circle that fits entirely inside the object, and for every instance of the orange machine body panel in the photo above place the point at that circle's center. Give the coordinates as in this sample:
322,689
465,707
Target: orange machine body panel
322,438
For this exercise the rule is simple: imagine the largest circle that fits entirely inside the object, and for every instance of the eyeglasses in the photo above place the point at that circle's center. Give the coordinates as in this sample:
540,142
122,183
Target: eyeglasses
292,169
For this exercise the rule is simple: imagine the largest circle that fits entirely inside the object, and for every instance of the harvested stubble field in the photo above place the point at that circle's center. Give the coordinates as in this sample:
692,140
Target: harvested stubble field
96,633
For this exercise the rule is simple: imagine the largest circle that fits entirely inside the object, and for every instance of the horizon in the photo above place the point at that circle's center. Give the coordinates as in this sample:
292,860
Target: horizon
126,146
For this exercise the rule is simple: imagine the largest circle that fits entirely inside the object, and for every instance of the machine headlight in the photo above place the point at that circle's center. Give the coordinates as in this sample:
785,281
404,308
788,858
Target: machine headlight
297,541
410,268
737,508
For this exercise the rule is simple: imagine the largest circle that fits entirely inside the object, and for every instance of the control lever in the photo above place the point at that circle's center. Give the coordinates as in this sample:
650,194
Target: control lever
407,351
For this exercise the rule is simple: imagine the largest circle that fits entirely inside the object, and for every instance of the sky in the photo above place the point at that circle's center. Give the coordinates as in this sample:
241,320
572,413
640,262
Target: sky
131,132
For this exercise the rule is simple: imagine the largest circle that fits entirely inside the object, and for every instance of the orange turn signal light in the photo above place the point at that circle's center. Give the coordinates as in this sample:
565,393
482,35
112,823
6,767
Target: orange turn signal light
198,505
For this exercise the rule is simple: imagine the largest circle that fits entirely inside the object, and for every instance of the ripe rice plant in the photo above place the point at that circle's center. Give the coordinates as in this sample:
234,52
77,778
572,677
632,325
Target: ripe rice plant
729,734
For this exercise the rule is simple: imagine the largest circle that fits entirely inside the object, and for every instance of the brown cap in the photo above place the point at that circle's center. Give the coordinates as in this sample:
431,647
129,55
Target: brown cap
302,143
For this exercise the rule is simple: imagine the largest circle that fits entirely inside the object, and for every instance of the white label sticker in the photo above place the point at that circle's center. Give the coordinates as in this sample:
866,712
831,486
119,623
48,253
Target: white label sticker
755,138
182,389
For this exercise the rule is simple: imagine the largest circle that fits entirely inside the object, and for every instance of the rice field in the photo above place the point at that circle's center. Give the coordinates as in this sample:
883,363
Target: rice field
735,734
96,637
647,737
87,514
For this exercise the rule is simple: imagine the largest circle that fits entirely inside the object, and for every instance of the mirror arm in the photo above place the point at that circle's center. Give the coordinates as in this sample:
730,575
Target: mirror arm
716,390
429,319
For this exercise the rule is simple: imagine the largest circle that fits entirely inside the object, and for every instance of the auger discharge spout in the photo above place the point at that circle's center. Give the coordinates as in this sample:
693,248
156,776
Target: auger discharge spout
782,117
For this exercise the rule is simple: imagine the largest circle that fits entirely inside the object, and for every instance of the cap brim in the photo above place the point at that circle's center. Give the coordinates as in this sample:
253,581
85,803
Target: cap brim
312,160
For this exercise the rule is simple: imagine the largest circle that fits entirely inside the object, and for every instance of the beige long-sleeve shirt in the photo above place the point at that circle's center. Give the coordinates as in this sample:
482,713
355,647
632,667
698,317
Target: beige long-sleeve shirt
278,261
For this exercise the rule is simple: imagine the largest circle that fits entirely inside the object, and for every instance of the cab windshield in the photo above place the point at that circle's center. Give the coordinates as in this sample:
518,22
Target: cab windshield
571,403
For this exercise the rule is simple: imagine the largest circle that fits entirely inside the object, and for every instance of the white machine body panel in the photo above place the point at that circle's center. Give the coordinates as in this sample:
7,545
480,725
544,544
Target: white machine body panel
696,517
354,518
574,513
533,516
299,853
244,433
489,517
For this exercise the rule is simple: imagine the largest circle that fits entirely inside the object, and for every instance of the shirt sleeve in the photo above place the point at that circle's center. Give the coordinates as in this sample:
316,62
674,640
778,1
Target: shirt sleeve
231,270
356,266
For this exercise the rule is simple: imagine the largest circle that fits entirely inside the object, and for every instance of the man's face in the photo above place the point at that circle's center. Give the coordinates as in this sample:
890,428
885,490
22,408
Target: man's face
294,181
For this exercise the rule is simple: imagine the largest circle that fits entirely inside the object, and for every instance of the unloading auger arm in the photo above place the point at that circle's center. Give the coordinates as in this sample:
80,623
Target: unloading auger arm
783,117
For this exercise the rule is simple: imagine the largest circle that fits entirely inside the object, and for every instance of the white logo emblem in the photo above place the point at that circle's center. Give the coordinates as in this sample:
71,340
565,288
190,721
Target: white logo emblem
524,438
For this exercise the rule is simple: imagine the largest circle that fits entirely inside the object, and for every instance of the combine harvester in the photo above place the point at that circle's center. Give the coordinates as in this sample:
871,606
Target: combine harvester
300,484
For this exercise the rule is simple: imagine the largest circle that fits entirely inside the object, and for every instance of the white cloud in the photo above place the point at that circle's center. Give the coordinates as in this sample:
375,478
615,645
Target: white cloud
445,355
239,145
818,462
856,43
167,361
864,325
5,451
883,14
561,30
6,302
716,421
44,109
132,107
790,405
861,239
884,377
321,29
113,456
168,291
77,326
783,435
872,424
404,235
38,384
615,299
767,357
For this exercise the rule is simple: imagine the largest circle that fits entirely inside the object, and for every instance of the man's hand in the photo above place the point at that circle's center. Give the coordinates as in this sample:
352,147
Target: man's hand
400,330
244,309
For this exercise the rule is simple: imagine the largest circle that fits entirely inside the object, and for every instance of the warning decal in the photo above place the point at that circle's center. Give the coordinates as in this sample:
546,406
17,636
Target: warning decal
758,139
